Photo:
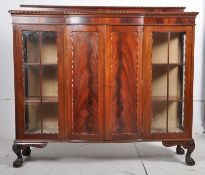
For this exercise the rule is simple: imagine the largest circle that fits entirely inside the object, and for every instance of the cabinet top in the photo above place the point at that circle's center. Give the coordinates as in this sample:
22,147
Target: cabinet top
100,10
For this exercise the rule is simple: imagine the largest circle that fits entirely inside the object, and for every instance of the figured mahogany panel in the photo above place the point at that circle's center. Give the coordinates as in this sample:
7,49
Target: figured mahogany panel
124,82
85,82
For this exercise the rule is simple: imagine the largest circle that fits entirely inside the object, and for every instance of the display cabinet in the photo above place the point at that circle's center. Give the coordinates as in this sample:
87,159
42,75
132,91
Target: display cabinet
103,74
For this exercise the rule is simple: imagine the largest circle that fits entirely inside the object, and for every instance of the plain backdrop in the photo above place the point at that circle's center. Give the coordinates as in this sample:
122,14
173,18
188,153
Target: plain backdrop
7,108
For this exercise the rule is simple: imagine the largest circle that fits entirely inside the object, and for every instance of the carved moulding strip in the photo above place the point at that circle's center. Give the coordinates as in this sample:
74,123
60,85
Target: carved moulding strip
73,12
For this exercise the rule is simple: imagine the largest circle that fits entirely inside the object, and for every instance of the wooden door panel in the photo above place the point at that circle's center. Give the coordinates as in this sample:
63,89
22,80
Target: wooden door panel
86,83
85,78
124,122
123,80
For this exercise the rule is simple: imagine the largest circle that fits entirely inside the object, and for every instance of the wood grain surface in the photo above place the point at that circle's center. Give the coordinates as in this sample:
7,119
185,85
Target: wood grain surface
85,81
124,82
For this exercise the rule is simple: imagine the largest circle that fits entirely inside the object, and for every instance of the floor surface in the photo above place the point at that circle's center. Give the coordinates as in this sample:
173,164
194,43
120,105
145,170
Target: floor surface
103,159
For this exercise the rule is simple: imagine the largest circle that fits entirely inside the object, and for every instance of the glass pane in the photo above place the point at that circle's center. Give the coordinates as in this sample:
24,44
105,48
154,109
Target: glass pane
31,49
50,80
50,118
168,74
40,82
49,47
159,80
159,117
177,47
160,47
32,81
32,118
176,82
176,117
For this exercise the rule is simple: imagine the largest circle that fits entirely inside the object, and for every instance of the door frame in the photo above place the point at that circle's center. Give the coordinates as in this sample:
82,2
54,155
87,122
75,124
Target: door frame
147,77
19,84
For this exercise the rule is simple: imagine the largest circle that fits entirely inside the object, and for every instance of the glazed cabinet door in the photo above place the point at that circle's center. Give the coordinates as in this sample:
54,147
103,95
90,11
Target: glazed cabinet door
84,65
38,58
123,91
168,76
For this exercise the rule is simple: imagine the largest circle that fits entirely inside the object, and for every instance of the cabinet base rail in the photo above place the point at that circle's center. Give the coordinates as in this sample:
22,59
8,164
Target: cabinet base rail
23,149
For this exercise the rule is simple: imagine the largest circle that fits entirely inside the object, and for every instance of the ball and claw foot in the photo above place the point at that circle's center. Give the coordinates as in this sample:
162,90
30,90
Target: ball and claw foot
180,150
26,151
189,161
18,163
188,145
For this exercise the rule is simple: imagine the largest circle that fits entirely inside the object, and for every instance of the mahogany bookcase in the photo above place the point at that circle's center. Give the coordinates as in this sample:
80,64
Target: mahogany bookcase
103,74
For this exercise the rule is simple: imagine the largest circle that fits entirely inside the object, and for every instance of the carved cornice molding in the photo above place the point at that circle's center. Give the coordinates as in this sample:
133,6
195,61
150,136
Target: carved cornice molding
102,12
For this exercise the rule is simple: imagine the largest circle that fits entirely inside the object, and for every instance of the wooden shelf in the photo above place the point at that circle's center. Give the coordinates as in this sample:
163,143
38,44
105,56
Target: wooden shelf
42,64
164,98
164,131
45,99
170,64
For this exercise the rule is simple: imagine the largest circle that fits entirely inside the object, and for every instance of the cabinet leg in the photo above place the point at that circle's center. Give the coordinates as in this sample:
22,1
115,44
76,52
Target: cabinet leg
17,150
179,150
25,150
189,145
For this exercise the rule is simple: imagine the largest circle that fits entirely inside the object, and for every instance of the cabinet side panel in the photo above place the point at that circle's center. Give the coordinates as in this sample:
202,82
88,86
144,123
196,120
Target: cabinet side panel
85,82
17,80
124,82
